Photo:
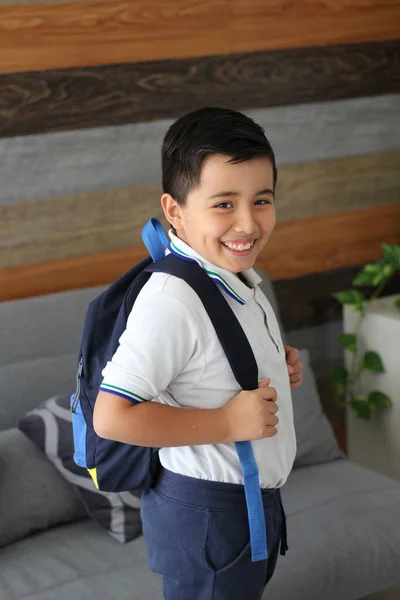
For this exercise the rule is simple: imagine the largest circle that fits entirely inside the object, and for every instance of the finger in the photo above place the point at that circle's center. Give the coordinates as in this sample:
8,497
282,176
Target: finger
296,377
296,383
272,421
264,382
272,407
292,354
294,386
270,394
271,431
297,370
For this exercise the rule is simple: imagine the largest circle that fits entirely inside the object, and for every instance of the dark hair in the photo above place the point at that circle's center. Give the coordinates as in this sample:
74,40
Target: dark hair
201,133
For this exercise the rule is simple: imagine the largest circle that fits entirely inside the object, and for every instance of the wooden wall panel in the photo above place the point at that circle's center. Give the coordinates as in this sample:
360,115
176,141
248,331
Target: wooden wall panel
326,243
76,225
80,224
48,36
115,157
322,188
35,2
296,248
111,95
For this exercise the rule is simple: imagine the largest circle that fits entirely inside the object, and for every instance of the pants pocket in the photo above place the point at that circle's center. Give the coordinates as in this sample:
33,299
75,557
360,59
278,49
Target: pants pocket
174,534
227,540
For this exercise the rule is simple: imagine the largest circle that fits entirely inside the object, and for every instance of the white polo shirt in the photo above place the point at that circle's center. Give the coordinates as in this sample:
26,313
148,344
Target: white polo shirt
169,353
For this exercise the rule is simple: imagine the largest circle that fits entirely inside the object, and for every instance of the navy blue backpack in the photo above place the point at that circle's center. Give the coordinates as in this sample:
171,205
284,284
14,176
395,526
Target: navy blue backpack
116,466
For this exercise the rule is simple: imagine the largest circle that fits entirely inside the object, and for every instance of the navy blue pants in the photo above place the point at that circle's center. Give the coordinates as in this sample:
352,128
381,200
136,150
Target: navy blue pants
197,538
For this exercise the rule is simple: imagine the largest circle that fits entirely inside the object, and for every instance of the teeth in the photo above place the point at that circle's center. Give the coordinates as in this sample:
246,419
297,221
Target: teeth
239,247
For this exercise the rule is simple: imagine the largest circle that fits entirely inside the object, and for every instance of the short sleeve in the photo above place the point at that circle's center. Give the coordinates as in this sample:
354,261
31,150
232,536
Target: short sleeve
160,340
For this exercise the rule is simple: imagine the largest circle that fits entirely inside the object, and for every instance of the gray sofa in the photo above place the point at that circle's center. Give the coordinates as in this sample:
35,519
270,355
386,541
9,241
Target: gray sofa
343,520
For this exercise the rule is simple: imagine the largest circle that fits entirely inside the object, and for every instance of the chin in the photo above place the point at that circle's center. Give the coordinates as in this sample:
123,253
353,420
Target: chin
241,266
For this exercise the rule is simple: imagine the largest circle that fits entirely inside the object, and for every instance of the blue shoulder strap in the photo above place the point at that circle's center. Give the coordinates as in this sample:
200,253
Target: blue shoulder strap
155,239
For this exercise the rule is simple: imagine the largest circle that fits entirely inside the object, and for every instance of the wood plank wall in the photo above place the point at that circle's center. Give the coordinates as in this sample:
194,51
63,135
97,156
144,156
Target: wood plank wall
88,89
78,34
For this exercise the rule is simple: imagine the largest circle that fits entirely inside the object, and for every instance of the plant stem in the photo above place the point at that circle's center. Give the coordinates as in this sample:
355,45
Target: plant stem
354,371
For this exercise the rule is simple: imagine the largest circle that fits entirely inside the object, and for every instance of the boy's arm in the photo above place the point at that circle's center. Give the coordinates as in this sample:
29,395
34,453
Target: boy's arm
249,415
157,425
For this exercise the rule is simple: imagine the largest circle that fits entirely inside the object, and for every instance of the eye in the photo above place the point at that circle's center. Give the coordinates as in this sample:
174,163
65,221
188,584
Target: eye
264,201
224,205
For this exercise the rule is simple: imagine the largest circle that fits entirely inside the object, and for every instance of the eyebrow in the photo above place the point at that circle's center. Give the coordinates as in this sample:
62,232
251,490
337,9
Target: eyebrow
228,194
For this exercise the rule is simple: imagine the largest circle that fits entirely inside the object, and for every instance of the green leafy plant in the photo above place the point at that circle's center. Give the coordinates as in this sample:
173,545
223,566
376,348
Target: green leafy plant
344,381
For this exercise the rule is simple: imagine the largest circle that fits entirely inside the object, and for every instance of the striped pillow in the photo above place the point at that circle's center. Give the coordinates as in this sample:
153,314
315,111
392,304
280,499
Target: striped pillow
49,427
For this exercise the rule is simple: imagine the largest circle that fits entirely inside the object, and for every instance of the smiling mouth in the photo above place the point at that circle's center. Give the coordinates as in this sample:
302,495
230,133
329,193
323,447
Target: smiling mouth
240,248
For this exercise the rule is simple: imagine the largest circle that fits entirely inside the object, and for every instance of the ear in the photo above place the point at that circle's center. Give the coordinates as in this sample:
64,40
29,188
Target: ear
172,211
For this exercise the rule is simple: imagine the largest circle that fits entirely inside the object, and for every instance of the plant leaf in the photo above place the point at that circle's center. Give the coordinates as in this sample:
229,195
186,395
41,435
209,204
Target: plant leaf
362,408
353,298
338,377
349,341
379,399
339,374
388,271
391,254
371,275
372,362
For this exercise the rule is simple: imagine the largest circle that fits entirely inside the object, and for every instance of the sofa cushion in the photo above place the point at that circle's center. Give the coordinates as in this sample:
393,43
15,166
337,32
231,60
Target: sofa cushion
316,442
33,495
43,334
77,562
49,427
343,534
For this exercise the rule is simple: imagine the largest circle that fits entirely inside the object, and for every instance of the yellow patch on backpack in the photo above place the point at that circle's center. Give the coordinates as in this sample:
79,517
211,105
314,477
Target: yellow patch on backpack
93,475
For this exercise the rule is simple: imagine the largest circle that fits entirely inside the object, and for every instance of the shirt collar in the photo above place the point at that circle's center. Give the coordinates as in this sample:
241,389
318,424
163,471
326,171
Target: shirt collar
230,283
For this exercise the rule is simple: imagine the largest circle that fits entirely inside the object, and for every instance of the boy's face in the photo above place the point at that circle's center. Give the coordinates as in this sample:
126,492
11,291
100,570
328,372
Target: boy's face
230,216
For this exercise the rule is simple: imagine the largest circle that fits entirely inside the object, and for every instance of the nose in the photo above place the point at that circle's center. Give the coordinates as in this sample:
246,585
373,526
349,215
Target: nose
245,222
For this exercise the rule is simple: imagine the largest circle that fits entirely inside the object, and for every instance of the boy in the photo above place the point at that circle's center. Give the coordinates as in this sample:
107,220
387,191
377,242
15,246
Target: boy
219,178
